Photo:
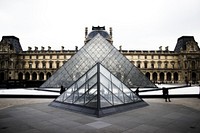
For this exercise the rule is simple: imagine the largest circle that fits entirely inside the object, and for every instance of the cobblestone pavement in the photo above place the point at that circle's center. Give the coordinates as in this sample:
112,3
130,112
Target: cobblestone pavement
35,116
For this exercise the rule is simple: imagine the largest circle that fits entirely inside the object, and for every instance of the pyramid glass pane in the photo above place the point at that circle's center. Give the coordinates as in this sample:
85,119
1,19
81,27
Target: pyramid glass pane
117,92
107,95
106,82
92,102
105,102
117,101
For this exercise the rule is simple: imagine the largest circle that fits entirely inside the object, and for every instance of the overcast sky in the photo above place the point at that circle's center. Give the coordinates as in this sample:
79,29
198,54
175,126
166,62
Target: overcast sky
137,24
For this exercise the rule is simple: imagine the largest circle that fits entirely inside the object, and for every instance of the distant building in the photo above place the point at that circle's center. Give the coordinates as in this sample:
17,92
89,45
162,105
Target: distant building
34,66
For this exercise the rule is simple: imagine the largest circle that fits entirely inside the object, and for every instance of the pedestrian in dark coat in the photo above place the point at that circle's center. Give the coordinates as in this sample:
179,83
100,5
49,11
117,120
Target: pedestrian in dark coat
137,92
166,94
62,89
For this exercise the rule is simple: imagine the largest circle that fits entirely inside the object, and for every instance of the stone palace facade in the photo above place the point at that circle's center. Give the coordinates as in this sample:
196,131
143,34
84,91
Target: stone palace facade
161,66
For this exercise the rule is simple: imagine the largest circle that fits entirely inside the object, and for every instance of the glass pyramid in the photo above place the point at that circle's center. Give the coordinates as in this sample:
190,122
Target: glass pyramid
98,49
98,92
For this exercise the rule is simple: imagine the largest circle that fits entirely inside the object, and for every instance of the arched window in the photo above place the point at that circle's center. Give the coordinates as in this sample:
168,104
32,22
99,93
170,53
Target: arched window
168,76
34,76
20,76
148,75
41,76
155,76
175,76
48,75
27,76
162,76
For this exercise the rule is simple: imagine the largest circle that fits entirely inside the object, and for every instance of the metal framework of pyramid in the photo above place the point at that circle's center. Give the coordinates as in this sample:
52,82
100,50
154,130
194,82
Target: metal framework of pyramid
98,92
98,49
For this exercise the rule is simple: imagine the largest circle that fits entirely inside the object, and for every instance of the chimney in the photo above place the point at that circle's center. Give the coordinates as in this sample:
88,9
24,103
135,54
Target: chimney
160,48
29,49
62,48
36,48
86,32
111,32
42,48
49,48
167,48
120,48
76,48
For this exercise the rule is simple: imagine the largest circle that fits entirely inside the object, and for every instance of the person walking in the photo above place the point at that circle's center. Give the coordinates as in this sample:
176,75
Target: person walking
166,94
62,89
137,92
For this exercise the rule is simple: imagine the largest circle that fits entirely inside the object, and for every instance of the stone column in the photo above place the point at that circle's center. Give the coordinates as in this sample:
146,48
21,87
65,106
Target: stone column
151,76
23,76
37,76
45,76
165,76
30,76
179,77
172,78
158,77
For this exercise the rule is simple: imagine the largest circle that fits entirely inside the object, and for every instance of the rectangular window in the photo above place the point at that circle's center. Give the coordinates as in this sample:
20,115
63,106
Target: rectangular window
43,65
145,65
57,65
165,65
36,65
152,65
50,65
159,65
30,65
173,66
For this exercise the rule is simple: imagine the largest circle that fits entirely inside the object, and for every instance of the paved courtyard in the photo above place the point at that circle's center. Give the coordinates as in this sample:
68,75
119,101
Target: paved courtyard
35,116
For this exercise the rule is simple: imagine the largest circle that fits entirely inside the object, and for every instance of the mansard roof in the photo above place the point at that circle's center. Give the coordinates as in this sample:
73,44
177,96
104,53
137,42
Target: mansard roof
13,42
181,43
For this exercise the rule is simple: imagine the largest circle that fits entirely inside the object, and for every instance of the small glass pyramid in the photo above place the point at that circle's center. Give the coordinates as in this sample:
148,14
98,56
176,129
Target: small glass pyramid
98,92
